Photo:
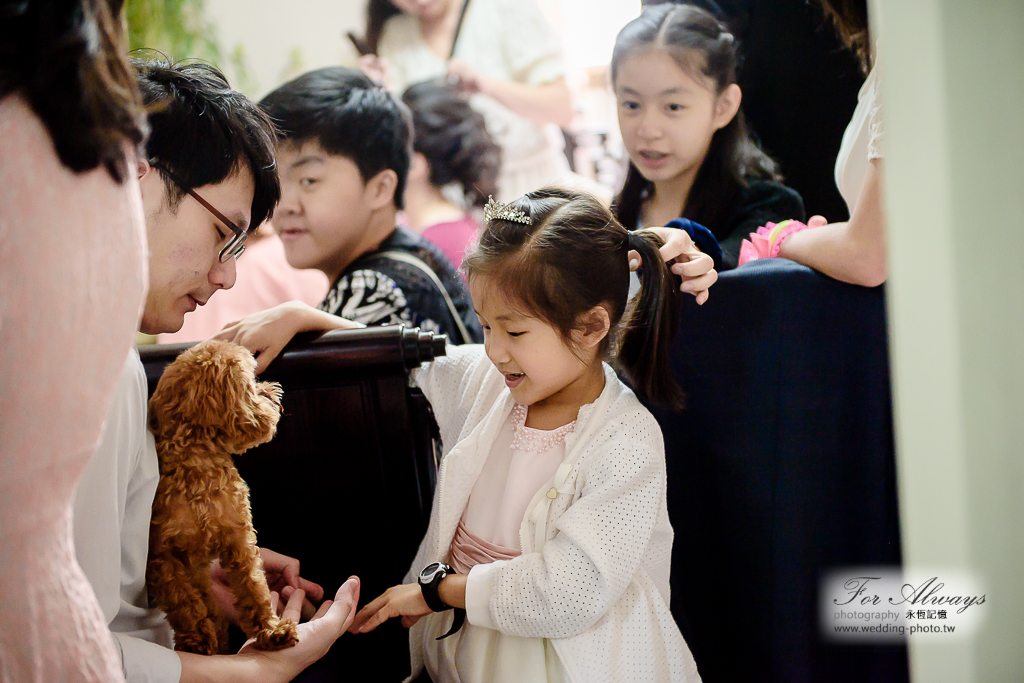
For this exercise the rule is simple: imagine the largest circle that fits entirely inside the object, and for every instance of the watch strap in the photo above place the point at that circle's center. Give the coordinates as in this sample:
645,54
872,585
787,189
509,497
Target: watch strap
458,619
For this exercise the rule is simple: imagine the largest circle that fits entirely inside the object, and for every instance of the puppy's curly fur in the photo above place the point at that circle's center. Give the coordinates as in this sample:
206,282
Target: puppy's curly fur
206,408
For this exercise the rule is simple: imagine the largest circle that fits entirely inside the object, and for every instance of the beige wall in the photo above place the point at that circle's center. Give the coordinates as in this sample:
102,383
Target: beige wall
283,38
953,88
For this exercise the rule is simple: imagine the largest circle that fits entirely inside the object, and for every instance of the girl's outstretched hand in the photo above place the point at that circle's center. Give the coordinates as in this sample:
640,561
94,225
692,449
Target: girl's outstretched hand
696,268
404,601
267,332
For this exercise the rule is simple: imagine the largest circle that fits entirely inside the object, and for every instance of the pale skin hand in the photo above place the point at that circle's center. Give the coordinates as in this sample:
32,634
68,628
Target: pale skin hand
696,268
377,70
252,665
406,601
267,332
546,103
854,251
282,574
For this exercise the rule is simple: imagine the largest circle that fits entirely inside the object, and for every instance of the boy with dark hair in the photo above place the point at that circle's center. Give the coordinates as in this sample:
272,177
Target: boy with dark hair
208,179
344,149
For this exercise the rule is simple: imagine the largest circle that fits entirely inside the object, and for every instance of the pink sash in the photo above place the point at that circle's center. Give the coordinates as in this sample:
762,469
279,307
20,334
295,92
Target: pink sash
469,550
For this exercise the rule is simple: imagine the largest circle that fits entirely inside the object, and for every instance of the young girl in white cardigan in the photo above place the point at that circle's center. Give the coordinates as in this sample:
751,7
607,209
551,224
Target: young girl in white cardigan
549,534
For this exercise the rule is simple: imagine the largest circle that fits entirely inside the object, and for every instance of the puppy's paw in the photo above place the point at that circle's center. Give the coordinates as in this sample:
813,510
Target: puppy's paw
277,636
198,643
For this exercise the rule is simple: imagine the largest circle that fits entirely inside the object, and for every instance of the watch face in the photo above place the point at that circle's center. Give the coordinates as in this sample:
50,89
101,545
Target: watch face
429,572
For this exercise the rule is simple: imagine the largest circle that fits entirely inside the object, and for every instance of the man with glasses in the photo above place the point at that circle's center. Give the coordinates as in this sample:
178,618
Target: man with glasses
234,246
208,179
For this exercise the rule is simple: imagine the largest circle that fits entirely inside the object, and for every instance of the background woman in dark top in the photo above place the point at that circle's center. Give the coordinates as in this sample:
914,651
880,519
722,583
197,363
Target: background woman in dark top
674,75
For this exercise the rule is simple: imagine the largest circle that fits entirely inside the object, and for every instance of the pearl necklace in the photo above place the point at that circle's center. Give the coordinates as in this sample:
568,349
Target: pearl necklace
540,440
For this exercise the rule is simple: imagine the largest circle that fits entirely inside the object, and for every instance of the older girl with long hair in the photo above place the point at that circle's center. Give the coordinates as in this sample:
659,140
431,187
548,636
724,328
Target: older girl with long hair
690,153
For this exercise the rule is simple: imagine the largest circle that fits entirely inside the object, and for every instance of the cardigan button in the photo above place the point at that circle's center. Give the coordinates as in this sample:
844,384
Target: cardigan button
553,493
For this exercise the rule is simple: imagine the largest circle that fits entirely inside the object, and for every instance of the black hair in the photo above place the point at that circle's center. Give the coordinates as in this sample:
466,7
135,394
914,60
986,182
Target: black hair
454,139
65,57
851,21
349,116
203,132
377,14
733,158
710,6
571,257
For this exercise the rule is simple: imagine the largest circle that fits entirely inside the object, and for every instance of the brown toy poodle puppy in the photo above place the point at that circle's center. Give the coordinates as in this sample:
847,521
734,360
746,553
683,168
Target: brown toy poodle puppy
206,408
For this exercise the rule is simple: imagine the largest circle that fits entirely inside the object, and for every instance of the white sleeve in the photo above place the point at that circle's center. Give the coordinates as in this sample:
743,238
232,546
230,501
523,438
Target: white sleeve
119,482
531,47
479,585
146,662
581,572
103,490
875,129
452,384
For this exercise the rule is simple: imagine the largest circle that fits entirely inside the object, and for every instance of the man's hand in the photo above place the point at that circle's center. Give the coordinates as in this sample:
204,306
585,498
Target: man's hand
315,636
282,574
691,264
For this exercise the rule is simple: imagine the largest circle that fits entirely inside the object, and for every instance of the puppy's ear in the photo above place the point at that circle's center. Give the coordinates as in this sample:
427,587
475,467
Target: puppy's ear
258,423
172,401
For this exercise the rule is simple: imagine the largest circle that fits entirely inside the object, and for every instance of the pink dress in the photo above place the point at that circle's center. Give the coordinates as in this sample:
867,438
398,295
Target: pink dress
521,461
72,282
263,280
453,237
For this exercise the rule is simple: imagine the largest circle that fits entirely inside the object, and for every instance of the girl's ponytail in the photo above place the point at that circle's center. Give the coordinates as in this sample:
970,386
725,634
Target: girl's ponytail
651,324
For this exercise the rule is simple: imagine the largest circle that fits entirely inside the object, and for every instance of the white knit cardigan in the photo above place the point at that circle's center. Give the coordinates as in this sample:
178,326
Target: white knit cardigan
598,584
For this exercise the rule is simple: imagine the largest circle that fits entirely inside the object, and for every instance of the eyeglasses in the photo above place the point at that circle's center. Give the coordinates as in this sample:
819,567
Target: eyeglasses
236,245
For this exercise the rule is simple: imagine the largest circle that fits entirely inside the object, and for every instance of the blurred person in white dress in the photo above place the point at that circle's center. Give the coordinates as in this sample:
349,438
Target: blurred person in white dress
506,55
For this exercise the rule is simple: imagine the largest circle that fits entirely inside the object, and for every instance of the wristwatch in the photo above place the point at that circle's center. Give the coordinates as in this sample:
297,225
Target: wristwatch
430,583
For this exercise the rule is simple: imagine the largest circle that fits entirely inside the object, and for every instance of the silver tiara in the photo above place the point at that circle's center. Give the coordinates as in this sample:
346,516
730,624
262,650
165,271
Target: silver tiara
503,212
